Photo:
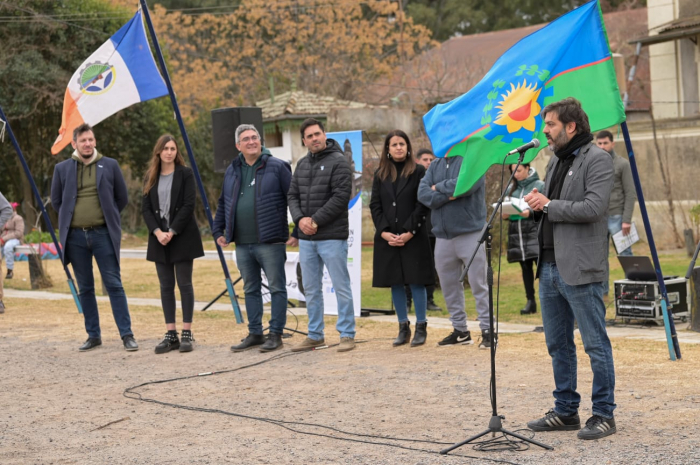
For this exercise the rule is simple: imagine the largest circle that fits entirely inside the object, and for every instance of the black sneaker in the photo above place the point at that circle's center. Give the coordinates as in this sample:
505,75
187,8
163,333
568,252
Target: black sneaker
598,427
169,342
91,343
457,337
186,341
433,307
487,339
10,274
552,421
274,342
130,344
250,341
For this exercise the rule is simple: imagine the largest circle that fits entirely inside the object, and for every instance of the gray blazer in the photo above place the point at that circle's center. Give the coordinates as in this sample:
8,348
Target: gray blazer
580,216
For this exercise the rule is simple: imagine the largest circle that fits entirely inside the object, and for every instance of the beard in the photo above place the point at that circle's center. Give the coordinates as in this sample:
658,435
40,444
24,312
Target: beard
558,142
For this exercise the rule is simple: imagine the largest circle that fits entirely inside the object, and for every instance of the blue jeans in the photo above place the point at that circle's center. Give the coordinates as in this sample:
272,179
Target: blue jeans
334,254
420,302
563,304
270,258
81,247
9,251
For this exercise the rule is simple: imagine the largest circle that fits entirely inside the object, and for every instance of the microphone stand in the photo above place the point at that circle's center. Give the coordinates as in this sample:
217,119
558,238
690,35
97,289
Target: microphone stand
495,424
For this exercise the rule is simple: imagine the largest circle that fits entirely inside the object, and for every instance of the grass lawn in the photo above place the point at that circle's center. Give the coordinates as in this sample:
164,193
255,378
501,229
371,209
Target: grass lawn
140,280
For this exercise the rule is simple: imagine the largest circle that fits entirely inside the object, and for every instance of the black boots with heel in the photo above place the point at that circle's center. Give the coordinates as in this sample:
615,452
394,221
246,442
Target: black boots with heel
530,307
404,334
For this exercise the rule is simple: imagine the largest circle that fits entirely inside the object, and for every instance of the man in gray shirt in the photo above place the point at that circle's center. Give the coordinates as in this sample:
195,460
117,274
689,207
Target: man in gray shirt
5,214
622,197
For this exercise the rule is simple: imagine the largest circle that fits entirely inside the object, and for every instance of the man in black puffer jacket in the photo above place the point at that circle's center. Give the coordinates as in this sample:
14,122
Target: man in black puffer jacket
318,201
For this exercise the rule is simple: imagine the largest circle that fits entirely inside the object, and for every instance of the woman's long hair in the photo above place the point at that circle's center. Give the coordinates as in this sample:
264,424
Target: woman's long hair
386,166
514,183
154,166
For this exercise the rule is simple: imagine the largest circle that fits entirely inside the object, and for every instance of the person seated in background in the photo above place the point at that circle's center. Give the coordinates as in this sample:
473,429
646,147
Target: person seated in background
5,214
11,237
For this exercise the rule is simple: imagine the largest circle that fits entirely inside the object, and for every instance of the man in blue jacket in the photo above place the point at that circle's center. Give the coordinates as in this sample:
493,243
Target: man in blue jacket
457,224
252,212
88,192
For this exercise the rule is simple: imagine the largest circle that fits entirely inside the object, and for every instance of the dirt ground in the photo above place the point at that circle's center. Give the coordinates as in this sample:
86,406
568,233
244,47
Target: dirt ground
61,406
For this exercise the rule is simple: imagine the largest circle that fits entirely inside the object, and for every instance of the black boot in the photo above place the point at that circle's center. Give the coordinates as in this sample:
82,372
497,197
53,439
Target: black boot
421,334
186,341
169,342
10,274
404,334
530,307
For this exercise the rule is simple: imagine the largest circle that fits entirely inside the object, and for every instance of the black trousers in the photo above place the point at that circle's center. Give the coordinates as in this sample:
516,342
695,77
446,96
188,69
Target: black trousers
529,277
167,273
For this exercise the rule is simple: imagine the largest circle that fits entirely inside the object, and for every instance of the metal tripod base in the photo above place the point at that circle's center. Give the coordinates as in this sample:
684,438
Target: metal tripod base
495,426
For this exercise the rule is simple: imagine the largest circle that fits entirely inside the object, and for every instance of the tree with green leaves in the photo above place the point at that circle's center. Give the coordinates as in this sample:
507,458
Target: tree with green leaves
449,18
40,49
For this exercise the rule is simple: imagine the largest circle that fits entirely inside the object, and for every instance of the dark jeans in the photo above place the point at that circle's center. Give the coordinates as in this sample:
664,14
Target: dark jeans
81,247
562,304
270,258
167,272
529,277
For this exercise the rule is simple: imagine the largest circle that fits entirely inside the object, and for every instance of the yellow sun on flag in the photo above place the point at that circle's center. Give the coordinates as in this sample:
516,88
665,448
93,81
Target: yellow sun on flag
519,107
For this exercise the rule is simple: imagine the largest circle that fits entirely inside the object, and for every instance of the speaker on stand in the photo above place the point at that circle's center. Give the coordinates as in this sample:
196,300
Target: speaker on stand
224,124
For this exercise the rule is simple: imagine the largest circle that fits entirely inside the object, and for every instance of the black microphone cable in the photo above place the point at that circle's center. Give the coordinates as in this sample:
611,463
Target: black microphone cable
495,444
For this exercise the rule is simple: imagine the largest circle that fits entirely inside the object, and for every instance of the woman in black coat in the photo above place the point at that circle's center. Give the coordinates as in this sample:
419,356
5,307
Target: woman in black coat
401,246
174,240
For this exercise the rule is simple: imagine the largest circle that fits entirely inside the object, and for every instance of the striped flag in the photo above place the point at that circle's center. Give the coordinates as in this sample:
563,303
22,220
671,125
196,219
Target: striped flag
120,73
570,57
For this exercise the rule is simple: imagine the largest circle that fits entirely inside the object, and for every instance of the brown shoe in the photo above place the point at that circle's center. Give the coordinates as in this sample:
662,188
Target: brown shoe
346,344
309,344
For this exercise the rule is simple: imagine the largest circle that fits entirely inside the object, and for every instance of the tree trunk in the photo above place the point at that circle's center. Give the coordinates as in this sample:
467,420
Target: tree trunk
37,275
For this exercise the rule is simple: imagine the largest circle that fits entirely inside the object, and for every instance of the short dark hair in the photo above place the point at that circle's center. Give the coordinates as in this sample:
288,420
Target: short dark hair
605,134
307,123
80,130
422,152
569,110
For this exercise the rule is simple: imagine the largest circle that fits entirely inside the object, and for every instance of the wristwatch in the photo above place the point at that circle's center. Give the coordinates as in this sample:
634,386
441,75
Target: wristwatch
546,207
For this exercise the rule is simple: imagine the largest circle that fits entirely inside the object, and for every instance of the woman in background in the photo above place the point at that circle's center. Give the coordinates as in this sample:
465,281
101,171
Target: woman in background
522,232
402,253
174,240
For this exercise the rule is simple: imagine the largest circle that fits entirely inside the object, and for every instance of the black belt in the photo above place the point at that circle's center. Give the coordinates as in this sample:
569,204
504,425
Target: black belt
90,228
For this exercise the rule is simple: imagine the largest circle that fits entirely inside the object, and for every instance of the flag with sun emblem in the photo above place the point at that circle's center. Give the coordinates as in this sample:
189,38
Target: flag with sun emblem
569,57
120,73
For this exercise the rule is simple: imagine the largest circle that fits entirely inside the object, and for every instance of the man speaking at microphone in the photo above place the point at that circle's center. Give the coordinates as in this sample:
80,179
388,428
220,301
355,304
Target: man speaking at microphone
573,231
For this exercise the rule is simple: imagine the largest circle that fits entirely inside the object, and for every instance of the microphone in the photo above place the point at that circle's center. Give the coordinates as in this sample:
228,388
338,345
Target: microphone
534,143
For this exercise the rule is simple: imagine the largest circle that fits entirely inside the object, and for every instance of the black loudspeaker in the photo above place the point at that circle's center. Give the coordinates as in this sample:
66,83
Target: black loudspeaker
224,123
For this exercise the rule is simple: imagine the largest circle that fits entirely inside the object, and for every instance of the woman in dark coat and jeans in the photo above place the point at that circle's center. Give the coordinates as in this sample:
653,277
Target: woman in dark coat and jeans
401,247
522,232
174,241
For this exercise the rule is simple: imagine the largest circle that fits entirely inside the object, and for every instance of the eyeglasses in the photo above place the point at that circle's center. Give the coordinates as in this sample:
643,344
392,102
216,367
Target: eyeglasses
250,139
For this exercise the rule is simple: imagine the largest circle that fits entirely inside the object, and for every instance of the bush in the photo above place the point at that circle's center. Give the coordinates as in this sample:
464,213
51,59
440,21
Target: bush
36,237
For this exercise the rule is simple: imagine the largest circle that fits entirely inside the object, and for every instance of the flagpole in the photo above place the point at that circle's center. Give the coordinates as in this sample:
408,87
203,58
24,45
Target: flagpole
674,349
71,283
186,140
